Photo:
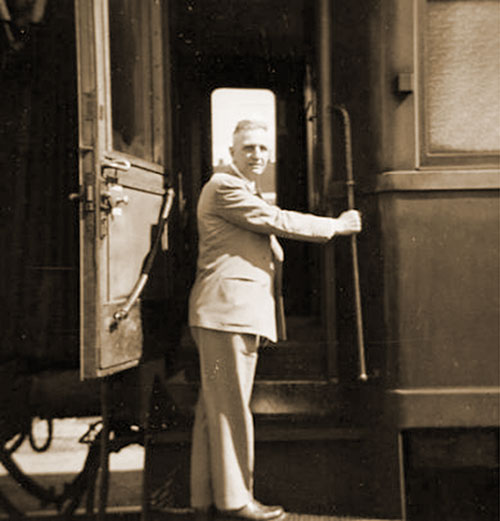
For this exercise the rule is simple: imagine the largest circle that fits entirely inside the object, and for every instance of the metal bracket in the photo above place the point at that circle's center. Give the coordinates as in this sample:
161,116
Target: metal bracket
116,164
86,198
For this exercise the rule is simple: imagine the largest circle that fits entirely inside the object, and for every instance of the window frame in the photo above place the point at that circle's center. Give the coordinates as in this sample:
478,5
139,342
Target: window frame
428,158
151,18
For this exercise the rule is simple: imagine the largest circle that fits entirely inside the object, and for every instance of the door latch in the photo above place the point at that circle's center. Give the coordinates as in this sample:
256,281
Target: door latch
123,165
112,199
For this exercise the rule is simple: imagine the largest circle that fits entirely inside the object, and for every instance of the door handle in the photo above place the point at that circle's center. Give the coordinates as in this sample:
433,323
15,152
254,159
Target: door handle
116,164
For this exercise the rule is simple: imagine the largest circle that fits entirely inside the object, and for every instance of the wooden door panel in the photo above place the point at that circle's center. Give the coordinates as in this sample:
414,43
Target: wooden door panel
122,340
130,239
122,174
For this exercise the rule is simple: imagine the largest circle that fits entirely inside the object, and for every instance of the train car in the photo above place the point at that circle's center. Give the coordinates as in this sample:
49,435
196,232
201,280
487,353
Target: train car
384,400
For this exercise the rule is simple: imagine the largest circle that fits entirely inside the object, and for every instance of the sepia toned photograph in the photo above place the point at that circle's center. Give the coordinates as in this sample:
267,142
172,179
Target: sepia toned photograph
249,260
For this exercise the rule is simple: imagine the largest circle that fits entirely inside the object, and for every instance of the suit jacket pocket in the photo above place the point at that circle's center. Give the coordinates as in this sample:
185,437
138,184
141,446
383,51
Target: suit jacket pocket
246,301
241,289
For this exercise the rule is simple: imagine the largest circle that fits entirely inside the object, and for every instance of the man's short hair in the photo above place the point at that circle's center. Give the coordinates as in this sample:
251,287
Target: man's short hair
250,124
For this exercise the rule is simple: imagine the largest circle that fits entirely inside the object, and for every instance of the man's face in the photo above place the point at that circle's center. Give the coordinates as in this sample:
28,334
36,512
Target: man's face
250,152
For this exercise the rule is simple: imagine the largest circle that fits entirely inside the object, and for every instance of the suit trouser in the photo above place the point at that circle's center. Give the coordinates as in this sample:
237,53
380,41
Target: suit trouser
222,456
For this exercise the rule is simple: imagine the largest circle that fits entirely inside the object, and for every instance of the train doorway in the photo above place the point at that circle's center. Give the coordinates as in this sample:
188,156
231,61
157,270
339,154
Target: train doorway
277,51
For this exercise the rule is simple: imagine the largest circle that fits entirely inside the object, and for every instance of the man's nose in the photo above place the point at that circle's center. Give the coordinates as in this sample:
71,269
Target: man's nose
257,152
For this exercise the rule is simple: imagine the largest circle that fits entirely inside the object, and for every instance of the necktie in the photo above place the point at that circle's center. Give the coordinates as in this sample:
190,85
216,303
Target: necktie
278,258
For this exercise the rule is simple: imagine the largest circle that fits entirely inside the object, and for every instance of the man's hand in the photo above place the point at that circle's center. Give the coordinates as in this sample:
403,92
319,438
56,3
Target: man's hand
349,222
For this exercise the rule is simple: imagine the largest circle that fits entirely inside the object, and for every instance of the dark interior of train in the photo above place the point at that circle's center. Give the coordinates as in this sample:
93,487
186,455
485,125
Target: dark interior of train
263,45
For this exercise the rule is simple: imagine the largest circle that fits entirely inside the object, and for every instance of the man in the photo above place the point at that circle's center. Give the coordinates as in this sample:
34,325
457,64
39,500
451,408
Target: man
231,308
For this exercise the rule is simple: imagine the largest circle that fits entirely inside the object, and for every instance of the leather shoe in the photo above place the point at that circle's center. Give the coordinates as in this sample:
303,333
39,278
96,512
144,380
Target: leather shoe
254,511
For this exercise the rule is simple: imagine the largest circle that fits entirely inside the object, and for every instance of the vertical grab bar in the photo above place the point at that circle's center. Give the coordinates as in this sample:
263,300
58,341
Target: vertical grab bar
354,248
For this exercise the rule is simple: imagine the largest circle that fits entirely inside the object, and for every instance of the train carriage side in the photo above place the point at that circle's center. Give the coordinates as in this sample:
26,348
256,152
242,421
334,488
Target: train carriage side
427,149
426,168
418,81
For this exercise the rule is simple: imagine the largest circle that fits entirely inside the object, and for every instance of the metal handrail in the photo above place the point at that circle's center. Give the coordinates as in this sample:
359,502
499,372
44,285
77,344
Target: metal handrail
354,248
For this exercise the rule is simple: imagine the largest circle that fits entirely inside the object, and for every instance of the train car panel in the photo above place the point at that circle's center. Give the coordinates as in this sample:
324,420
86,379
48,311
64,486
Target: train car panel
443,331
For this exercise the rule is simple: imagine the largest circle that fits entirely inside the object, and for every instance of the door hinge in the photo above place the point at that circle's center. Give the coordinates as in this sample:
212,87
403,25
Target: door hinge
86,197
89,106
89,203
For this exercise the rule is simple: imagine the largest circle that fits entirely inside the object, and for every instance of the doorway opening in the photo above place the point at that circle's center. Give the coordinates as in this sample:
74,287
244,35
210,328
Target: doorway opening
230,105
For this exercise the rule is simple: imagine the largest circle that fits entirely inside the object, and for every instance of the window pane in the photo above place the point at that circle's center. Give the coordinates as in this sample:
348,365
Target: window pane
232,105
462,75
131,87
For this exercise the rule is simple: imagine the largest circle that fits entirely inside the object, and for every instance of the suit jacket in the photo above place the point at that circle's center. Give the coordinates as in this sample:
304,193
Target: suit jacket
234,285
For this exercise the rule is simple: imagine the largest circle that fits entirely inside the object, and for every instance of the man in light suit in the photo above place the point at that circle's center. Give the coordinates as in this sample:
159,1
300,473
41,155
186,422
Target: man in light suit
232,307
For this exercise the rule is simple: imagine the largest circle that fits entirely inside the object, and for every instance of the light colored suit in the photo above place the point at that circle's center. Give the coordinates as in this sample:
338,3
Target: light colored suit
231,304
233,290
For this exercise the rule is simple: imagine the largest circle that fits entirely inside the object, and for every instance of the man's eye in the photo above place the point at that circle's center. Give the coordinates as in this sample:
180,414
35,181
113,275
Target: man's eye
250,149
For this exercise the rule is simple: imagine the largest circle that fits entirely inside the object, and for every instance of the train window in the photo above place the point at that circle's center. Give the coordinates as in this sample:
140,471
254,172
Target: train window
461,80
231,105
133,93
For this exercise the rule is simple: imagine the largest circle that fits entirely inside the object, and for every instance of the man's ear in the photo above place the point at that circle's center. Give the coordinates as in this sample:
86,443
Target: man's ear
231,151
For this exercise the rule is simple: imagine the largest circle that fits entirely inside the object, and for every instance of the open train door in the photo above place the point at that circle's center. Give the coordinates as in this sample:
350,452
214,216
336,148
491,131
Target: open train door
122,172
